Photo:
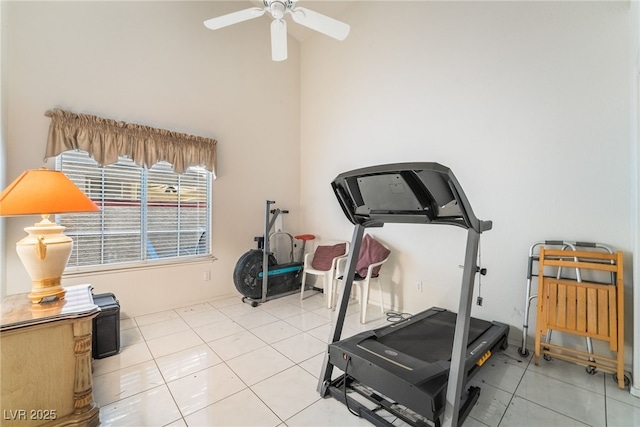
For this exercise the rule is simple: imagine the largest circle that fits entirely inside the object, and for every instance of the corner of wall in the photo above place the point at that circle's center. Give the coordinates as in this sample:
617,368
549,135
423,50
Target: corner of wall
3,154
635,187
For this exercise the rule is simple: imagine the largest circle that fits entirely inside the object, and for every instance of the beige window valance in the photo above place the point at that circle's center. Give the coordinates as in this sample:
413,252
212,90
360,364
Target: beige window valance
106,139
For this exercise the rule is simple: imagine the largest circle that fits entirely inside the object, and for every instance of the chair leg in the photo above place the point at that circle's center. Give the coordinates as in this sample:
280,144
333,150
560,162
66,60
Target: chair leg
337,288
304,280
326,289
381,295
328,278
364,301
335,294
358,292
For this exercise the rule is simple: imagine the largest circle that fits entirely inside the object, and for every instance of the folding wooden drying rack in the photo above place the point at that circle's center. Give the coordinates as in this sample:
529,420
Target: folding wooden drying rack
589,309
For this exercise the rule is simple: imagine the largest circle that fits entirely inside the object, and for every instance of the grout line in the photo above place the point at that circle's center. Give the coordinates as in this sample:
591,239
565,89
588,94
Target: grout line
527,363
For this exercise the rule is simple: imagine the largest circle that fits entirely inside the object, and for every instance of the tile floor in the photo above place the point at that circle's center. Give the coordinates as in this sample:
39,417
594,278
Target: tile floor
225,363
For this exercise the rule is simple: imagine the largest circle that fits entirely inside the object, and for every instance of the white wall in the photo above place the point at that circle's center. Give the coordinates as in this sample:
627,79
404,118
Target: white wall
3,157
154,63
634,62
527,103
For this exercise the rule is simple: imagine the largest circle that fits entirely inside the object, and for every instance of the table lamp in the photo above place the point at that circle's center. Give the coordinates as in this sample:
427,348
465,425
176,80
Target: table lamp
45,251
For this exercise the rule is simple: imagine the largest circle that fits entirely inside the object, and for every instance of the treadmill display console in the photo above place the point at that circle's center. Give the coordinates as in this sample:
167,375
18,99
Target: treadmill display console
405,193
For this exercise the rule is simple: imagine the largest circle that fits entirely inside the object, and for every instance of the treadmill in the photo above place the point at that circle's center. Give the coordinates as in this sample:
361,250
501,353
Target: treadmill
418,368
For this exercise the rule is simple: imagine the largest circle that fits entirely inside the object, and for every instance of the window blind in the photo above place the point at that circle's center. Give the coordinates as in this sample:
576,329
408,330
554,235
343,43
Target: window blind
146,215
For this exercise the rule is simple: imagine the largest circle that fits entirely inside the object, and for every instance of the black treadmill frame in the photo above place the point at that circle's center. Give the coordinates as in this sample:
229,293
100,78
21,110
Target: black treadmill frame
440,200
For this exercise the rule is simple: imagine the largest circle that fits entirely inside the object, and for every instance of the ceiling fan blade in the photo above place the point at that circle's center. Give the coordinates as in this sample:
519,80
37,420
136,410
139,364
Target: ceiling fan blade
233,18
321,23
279,40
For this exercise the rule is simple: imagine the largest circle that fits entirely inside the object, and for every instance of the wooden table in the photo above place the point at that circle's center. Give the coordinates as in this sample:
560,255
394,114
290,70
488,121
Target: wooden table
45,364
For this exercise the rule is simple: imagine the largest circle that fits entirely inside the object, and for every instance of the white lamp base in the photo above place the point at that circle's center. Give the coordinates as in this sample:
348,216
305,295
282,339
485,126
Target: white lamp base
44,254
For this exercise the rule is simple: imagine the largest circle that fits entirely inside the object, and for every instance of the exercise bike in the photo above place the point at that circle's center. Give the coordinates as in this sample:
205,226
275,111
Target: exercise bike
258,275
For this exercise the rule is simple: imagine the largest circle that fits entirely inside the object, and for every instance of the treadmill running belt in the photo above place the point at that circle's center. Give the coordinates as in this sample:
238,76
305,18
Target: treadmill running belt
431,339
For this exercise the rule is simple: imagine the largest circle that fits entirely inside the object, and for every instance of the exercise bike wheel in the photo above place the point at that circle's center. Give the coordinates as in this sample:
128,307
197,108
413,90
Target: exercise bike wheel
245,275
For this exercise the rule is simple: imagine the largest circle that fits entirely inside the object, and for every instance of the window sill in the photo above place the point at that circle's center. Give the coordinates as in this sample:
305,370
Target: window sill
122,268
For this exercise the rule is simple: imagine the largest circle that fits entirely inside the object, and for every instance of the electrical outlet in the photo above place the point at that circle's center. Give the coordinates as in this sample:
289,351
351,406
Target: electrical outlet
419,286
207,276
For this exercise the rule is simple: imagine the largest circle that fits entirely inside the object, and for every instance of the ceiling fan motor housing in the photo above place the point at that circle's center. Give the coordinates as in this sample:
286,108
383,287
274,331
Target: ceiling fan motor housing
278,7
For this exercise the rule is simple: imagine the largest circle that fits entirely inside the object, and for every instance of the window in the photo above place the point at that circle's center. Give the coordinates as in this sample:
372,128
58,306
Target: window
146,215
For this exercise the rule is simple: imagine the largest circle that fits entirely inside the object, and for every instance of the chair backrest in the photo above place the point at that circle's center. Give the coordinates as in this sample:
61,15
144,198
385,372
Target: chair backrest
326,253
372,252
370,255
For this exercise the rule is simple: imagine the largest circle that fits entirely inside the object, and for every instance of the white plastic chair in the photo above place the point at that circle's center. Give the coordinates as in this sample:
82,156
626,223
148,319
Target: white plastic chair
326,275
363,284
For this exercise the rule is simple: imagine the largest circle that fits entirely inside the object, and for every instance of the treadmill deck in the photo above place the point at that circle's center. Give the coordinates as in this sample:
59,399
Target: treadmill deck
430,339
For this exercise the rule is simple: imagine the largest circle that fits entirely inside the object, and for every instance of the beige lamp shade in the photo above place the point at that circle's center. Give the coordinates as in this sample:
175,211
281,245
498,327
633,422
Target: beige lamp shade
46,250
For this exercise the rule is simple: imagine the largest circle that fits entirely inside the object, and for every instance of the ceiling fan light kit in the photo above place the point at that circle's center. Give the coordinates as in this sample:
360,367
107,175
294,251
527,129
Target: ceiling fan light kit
278,9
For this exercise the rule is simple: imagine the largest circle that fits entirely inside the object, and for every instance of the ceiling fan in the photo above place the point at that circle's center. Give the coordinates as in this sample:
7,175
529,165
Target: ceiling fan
278,8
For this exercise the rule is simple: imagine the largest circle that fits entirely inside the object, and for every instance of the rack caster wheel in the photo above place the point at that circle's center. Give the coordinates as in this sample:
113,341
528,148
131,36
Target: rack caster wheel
627,380
523,352
591,370
547,357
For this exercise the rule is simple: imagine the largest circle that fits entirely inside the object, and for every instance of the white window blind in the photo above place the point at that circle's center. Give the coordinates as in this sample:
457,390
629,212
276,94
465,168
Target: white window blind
146,215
